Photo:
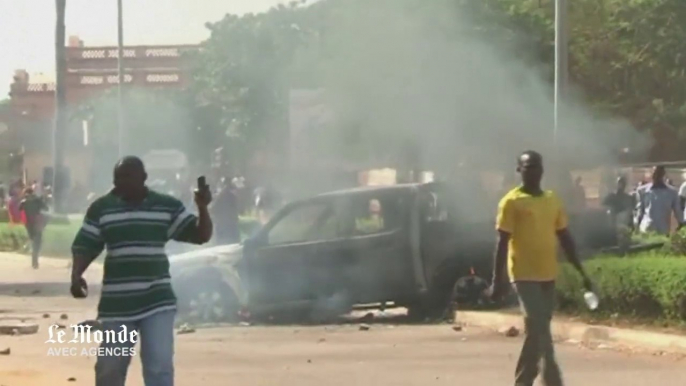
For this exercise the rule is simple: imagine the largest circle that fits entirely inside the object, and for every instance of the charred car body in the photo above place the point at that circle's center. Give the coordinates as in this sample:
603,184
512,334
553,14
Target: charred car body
407,244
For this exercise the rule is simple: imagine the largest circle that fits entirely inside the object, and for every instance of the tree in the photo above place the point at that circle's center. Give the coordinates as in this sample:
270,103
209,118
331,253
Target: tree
242,80
458,80
625,55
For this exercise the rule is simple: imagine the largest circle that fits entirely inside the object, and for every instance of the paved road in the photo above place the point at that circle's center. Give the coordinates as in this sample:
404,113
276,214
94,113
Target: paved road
387,354
344,355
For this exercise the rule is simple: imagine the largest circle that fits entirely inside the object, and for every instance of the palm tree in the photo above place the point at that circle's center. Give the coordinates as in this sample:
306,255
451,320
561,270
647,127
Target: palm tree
60,128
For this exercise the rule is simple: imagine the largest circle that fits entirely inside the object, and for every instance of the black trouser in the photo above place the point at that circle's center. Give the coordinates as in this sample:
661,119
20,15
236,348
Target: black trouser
36,238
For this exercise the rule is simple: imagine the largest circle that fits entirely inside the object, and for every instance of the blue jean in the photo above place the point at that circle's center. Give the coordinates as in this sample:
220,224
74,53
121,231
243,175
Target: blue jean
156,335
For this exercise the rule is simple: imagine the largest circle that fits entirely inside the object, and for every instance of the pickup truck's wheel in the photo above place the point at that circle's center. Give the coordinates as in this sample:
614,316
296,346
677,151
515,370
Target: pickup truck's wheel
440,302
204,298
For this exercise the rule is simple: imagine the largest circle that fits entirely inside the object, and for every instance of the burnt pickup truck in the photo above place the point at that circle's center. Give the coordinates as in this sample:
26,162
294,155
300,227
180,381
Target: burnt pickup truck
406,245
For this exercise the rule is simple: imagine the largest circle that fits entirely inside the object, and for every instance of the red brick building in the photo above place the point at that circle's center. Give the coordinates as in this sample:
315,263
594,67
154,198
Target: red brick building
90,72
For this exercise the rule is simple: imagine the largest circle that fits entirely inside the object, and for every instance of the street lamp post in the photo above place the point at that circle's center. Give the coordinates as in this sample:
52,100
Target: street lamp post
561,63
121,76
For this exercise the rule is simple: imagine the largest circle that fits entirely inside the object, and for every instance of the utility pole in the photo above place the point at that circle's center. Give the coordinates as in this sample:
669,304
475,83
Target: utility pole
561,64
122,137
60,124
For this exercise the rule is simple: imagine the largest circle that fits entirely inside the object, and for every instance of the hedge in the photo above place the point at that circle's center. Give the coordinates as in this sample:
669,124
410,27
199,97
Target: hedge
648,286
58,236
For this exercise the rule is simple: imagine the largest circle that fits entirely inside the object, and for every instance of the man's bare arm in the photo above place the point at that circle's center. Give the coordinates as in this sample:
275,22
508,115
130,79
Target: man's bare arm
500,265
79,266
204,225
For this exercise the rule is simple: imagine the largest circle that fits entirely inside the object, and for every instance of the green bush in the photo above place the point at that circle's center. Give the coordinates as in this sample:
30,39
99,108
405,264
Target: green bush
646,286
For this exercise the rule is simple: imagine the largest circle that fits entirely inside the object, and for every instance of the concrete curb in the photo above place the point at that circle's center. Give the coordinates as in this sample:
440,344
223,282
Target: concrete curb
584,333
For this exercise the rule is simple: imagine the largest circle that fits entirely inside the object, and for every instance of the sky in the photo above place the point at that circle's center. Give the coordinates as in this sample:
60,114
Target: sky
27,27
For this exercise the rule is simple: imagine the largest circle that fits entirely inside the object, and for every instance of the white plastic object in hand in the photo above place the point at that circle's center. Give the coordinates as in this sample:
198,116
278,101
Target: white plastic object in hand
591,300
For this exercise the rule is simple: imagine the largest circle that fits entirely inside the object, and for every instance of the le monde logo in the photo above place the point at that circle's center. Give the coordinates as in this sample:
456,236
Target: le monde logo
110,342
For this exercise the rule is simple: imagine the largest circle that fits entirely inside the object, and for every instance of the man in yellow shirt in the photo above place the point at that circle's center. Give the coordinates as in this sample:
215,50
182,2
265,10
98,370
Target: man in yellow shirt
530,222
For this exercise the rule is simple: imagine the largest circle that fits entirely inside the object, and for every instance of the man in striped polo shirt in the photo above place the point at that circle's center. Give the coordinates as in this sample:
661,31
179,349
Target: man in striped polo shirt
133,224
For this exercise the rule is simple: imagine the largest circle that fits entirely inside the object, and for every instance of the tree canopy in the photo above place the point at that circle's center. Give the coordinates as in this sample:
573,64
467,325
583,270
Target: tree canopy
440,81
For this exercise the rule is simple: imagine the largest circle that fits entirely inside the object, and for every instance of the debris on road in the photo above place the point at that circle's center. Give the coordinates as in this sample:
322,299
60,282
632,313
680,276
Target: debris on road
364,327
457,328
185,329
509,332
45,316
309,361
367,318
321,340
64,316
5,351
17,328
71,379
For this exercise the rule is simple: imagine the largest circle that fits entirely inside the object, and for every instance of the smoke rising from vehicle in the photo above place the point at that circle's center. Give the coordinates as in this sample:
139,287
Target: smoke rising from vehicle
457,85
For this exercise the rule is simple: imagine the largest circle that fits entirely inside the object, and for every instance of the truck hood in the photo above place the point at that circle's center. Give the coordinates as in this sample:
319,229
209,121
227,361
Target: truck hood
226,254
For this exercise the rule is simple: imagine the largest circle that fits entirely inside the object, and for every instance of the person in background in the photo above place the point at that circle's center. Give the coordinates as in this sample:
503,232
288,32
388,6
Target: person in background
682,194
134,223
37,188
530,222
619,202
13,210
620,206
225,213
655,203
33,206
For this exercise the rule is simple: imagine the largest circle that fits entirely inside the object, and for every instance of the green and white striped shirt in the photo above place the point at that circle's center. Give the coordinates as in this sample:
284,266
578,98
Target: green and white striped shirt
136,281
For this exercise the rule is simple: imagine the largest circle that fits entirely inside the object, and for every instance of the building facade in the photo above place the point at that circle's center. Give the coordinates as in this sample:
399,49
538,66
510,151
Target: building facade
90,72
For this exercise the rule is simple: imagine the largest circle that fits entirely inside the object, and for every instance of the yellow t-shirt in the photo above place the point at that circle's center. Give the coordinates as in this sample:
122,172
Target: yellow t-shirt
532,222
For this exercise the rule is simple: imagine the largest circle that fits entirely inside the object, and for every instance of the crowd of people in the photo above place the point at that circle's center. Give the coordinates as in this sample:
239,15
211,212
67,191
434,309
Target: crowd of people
650,207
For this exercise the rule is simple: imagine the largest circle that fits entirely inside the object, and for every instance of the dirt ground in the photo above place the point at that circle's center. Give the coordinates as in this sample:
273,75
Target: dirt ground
388,353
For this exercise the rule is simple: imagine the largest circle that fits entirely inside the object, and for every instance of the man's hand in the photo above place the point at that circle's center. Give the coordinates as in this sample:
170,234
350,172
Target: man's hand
79,288
588,284
498,290
203,197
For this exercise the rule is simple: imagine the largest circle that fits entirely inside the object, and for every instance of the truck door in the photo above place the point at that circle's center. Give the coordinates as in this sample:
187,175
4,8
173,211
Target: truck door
287,253
378,250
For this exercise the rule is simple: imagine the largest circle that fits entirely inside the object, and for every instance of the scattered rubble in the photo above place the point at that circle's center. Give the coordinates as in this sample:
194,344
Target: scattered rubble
45,316
367,318
71,379
457,328
17,328
5,351
364,327
64,316
509,332
185,329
